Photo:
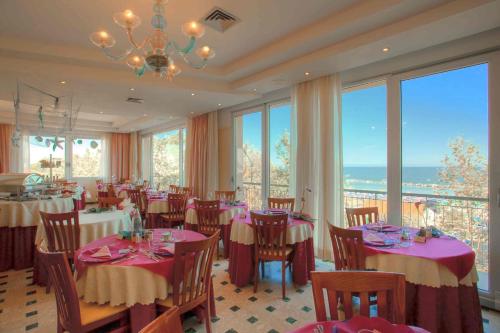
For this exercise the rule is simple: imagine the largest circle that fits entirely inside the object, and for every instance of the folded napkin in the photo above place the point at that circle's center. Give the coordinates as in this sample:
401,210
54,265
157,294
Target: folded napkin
170,248
373,238
103,252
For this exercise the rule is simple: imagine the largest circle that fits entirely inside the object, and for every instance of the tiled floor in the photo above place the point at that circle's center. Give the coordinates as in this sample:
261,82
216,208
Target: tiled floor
26,308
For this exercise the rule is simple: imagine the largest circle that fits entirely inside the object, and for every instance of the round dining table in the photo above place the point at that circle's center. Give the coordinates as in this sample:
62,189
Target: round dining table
241,250
441,279
158,204
357,324
226,215
18,224
136,280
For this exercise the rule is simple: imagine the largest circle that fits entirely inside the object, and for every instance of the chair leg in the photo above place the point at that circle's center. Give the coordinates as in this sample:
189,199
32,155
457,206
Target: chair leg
47,288
283,278
256,275
207,315
218,245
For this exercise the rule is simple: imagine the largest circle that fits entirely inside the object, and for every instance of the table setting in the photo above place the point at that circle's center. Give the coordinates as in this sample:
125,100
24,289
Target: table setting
440,272
131,269
241,248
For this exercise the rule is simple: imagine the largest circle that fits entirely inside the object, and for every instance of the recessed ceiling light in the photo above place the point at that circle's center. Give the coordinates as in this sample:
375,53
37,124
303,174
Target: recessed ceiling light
145,115
132,89
170,117
254,89
192,112
62,82
101,112
307,73
192,94
385,49
219,104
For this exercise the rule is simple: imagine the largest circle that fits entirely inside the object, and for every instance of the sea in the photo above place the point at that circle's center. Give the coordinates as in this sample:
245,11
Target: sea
421,180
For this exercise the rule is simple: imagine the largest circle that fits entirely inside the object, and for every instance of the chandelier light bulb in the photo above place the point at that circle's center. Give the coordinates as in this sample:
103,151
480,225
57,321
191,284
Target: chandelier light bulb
127,19
205,52
102,39
173,69
135,61
193,29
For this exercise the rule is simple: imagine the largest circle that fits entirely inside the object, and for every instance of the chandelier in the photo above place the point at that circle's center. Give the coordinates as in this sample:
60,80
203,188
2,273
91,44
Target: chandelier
155,53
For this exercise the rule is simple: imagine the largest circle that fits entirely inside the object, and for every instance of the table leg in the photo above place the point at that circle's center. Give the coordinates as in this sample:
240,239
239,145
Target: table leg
141,315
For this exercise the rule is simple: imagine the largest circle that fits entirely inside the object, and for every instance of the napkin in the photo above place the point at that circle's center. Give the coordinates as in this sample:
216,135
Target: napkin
168,248
103,252
373,238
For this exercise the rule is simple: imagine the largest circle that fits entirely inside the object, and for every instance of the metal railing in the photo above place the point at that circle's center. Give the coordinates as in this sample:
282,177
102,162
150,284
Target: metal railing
465,218
251,192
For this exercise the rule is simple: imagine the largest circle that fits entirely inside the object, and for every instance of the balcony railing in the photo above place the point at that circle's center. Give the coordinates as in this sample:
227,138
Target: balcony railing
252,193
465,218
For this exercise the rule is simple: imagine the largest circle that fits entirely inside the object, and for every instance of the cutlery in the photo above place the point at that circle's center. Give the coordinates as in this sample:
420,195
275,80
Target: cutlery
123,259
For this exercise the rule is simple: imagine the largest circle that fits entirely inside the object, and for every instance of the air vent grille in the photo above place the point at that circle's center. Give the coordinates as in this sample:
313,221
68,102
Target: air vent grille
219,19
135,100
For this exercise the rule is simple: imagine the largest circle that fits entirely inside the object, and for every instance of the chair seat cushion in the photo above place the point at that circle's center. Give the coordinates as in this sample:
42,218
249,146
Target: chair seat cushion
93,312
277,252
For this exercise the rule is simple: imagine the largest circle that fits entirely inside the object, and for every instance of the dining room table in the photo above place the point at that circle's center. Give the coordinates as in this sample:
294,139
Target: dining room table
19,221
241,249
441,276
158,204
136,279
93,226
227,211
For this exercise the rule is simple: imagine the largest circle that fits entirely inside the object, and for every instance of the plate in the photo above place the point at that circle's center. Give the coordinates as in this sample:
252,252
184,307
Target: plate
385,227
86,255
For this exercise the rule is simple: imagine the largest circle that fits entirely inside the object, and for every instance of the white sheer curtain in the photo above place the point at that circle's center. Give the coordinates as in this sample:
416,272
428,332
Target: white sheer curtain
318,154
106,157
134,155
146,153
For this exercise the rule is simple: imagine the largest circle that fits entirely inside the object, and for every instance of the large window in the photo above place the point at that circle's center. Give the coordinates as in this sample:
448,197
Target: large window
262,139
87,159
47,153
364,130
444,122
168,153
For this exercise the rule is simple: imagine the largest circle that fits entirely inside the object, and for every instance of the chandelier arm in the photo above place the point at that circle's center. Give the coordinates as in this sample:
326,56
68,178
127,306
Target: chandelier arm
117,57
200,65
132,40
185,50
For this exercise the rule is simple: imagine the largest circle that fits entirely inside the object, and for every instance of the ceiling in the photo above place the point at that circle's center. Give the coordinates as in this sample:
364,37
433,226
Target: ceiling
271,48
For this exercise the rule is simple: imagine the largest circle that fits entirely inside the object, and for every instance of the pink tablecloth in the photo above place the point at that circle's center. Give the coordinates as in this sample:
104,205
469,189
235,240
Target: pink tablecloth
355,324
444,309
241,257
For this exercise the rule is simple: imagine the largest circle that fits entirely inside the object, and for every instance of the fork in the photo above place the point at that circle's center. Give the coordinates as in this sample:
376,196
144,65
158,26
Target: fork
123,259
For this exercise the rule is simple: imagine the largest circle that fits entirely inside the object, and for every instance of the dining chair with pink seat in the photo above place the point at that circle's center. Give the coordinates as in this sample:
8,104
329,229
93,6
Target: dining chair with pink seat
176,215
348,248
208,218
225,195
74,315
360,216
281,203
341,286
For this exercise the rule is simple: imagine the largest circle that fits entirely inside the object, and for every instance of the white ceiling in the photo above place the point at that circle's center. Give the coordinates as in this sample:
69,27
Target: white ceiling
276,41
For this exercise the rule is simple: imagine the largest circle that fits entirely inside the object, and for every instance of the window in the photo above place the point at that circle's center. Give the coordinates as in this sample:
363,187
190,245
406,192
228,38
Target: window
262,139
364,123
168,153
87,159
444,127
47,153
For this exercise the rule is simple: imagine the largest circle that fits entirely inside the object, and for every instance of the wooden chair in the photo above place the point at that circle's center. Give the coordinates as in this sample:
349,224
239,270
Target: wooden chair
111,190
168,322
135,197
62,231
101,194
207,214
74,315
270,244
281,203
176,214
107,202
184,190
173,188
348,249
192,277
361,216
389,288
225,195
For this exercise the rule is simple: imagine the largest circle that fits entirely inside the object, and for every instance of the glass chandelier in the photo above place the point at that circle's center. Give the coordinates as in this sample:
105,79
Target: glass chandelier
155,52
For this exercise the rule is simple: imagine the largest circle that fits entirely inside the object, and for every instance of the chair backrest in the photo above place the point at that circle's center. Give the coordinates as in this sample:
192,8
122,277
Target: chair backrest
61,279
361,216
184,190
99,182
168,322
111,190
281,203
177,204
269,234
192,271
102,194
348,248
389,288
106,202
62,231
144,202
173,188
207,214
225,195
134,196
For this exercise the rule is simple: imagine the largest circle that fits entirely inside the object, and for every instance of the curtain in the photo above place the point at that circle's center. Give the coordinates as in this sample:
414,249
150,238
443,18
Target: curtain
202,154
106,157
120,156
318,155
134,155
146,153
6,131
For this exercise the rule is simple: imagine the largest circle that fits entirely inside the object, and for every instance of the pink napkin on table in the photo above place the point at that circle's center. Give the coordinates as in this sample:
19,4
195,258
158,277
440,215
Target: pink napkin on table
373,238
103,252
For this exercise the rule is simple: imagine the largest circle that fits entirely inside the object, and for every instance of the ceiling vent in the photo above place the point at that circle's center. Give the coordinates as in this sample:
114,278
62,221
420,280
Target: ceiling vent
219,19
135,100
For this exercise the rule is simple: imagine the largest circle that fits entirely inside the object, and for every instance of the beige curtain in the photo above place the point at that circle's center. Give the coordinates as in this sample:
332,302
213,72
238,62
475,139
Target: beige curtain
120,155
6,131
318,154
202,154
134,157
